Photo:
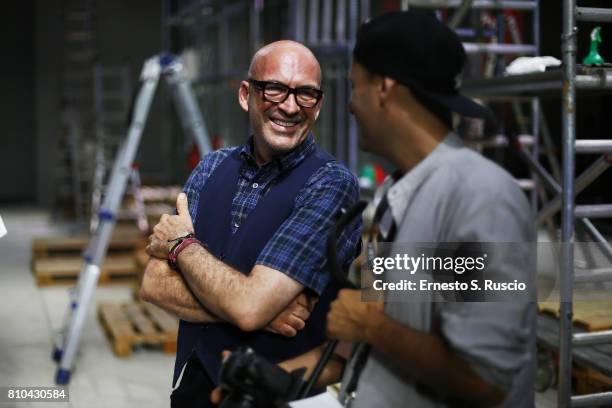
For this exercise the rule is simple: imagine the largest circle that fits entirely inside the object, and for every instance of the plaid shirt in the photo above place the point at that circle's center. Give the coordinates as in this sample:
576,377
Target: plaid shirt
298,248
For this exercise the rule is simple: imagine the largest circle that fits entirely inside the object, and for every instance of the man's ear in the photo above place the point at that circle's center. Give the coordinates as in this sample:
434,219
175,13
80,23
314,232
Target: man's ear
243,95
385,87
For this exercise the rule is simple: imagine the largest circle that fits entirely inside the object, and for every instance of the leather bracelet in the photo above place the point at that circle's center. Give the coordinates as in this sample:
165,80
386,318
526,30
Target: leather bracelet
177,249
178,240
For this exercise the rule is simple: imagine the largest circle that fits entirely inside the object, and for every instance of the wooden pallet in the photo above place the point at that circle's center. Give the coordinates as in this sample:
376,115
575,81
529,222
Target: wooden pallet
135,324
124,239
592,315
65,270
589,381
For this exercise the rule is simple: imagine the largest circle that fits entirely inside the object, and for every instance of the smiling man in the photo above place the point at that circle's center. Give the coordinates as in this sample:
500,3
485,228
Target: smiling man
247,247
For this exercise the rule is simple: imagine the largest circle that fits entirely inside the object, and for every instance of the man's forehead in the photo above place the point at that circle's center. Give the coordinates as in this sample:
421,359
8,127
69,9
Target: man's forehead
288,65
290,73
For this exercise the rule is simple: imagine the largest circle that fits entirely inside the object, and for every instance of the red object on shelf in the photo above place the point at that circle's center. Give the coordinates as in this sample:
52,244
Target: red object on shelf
194,156
380,174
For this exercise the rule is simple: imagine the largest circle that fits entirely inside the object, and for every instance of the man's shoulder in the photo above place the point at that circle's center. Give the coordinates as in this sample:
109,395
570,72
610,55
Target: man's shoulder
211,160
478,173
333,171
216,156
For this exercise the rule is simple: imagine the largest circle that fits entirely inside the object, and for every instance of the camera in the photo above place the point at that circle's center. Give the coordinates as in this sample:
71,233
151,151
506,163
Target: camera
251,381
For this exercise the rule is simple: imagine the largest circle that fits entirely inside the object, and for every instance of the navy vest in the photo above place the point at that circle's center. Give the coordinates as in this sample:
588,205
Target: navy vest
241,250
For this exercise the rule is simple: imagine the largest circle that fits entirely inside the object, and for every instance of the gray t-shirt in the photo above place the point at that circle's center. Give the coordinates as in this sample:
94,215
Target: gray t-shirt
456,195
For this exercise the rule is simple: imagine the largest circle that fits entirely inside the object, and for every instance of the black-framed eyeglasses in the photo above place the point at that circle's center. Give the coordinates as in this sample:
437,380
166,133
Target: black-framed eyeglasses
275,92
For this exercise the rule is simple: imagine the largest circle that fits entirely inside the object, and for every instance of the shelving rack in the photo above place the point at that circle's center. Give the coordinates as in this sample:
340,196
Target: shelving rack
568,80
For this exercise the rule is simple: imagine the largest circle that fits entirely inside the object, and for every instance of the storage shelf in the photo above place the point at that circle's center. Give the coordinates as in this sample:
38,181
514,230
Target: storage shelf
541,84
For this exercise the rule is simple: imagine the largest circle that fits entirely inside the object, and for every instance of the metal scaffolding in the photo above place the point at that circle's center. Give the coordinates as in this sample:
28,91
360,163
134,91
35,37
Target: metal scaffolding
329,27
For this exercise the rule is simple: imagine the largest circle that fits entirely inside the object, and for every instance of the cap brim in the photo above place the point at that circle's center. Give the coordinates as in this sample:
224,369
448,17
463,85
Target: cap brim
461,104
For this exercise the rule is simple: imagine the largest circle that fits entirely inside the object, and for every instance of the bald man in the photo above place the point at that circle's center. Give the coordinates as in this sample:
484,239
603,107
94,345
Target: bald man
243,261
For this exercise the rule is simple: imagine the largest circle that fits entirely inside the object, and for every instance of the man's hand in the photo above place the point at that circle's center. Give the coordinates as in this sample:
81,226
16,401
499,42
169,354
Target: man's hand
170,227
350,318
294,317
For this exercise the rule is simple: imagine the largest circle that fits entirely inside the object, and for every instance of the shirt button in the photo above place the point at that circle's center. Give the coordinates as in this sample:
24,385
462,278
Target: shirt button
255,185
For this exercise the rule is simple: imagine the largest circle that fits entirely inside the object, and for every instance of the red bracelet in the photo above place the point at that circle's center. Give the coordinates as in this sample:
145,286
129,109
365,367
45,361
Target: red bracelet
173,255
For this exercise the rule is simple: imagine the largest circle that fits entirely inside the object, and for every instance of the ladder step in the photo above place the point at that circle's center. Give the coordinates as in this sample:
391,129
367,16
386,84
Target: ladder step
592,400
109,71
83,56
113,96
600,15
594,211
477,4
592,338
113,118
500,140
525,184
78,15
78,36
594,146
492,48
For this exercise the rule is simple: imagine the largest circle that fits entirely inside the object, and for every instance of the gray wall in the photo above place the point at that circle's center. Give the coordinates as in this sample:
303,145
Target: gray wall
126,31
17,113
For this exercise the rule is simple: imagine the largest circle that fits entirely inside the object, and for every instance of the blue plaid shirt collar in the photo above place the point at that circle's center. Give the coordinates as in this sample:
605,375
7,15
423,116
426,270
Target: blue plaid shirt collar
282,163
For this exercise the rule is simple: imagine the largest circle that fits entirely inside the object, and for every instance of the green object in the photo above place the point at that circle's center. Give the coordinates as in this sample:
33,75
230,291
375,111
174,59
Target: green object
368,173
593,58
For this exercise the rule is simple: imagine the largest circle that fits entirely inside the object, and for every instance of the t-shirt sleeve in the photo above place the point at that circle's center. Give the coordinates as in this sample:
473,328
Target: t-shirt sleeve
298,248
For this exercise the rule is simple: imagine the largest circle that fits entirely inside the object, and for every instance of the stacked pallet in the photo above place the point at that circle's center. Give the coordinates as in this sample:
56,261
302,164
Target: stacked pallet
134,324
58,260
591,316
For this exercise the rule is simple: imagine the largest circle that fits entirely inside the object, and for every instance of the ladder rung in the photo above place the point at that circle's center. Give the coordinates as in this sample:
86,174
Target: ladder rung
110,71
525,184
601,15
111,96
116,117
592,400
594,146
477,4
78,15
80,56
591,338
493,48
593,275
78,36
594,211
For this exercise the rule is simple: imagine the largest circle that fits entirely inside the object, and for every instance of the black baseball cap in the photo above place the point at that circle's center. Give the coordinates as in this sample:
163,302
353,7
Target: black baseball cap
420,52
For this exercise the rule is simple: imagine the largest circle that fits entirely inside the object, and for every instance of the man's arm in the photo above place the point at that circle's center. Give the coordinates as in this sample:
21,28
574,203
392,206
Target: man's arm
165,288
425,356
332,372
249,301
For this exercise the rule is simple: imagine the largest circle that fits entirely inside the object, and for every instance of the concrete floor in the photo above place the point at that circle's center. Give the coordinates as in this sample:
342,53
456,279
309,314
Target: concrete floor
30,317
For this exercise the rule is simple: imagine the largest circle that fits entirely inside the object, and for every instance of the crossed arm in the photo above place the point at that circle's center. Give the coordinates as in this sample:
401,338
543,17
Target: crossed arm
168,289
208,290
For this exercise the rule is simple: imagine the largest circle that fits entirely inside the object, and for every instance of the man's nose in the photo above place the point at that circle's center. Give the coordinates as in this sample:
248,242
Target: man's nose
289,105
